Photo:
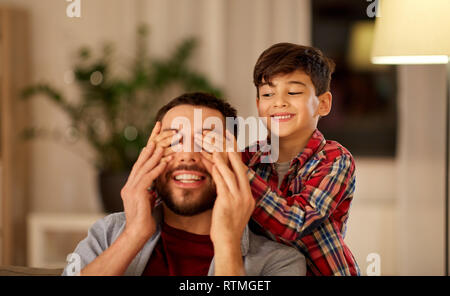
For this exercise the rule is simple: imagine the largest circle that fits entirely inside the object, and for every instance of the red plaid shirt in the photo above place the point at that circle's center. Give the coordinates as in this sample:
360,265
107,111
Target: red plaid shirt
310,210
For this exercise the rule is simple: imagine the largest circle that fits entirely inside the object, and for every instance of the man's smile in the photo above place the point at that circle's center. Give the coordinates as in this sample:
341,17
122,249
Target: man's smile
188,179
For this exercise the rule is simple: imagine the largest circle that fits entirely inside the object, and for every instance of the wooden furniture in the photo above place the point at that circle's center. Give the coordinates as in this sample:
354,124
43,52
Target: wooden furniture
53,236
28,271
14,76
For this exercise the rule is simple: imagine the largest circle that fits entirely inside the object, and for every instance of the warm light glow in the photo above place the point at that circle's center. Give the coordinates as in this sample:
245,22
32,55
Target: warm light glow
360,47
410,60
412,32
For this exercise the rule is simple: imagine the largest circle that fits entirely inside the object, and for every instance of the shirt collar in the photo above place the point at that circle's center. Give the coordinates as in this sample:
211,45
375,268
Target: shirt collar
314,144
158,215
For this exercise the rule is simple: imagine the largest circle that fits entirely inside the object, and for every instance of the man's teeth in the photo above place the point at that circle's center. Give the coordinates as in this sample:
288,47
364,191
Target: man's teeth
188,178
283,117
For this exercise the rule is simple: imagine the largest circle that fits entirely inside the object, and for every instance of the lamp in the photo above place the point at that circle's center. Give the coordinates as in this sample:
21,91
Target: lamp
412,32
360,47
417,32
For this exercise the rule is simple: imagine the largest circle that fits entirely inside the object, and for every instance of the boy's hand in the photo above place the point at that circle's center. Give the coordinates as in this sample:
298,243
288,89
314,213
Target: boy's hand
211,142
137,200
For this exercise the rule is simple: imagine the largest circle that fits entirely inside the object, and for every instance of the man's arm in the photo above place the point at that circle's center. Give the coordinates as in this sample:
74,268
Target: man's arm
228,259
137,201
115,260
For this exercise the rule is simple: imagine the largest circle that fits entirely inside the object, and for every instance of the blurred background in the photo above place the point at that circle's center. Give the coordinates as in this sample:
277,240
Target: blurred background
81,80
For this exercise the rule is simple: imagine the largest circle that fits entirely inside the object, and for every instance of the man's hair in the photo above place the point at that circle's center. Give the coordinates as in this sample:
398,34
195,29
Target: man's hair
285,58
198,99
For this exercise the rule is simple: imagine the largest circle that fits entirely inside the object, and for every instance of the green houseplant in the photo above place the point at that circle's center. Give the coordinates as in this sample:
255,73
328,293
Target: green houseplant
115,115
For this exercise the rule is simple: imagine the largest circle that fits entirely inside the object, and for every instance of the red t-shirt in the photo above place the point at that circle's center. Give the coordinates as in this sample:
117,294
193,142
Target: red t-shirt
180,253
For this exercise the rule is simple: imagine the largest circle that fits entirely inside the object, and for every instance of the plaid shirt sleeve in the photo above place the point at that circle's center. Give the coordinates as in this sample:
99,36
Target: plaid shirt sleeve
295,215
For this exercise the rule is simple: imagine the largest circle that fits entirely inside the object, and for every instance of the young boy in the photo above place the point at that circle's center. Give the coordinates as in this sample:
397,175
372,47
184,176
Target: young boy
304,198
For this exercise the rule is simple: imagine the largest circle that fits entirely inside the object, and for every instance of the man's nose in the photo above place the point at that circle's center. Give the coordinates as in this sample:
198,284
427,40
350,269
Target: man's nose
188,153
188,157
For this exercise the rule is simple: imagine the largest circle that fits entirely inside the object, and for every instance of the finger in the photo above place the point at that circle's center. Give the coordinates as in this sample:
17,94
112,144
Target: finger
145,154
208,164
149,164
206,145
227,174
173,149
216,140
168,140
231,141
207,156
198,141
240,171
221,187
155,132
147,179
165,134
167,158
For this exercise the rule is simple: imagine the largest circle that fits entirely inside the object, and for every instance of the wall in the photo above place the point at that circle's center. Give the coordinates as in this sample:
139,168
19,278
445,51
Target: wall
62,178
371,227
421,170
232,35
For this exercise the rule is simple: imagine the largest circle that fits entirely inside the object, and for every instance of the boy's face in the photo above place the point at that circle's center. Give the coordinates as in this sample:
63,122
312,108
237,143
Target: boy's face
291,100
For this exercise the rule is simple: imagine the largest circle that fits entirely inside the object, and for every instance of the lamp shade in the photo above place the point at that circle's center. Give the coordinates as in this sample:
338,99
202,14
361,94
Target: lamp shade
412,32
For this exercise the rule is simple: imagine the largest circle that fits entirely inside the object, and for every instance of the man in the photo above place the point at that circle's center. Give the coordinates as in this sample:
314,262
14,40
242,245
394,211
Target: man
200,225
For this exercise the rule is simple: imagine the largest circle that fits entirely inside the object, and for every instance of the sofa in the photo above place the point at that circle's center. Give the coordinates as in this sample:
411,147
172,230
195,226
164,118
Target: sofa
28,271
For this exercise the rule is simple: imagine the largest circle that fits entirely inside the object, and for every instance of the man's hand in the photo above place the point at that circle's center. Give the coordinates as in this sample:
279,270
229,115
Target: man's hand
234,202
138,204
137,200
232,210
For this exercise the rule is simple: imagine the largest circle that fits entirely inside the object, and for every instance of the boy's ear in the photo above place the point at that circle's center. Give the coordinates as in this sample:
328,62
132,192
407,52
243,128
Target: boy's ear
325,102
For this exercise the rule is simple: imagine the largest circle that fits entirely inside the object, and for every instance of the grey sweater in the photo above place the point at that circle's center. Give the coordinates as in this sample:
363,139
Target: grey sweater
262,257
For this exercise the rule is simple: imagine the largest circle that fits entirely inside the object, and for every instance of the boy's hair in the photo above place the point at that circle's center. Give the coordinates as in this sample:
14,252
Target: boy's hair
198,99
284,58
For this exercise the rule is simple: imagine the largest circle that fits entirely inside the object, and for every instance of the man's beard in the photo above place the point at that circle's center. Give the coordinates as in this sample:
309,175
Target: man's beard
188,207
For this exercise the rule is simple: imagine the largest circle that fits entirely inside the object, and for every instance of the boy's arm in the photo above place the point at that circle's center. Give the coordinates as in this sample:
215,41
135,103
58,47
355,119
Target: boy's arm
291,217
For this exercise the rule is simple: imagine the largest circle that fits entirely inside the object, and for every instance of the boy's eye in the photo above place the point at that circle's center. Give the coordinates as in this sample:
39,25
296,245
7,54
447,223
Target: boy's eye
267,95
294,93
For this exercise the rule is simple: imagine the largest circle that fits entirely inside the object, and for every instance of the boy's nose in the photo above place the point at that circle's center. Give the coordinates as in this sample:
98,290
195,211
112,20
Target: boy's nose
280,101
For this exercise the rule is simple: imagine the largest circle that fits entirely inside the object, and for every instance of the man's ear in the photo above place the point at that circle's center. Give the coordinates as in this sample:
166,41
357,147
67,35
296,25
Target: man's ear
325,102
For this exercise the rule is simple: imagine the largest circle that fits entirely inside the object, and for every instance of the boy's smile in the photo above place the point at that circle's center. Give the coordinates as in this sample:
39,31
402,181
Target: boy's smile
282,117
290,99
